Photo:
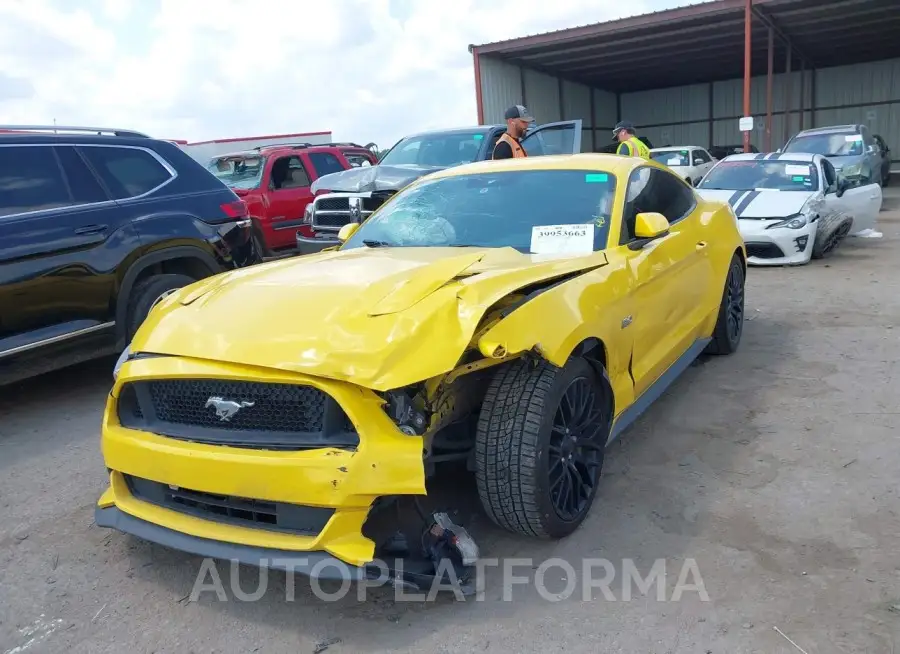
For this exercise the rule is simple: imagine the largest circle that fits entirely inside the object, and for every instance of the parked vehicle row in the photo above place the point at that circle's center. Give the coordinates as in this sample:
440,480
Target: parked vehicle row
96,225
276,183
352,195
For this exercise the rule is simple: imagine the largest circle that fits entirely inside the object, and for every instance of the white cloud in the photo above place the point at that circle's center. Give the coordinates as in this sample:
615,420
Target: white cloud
369,70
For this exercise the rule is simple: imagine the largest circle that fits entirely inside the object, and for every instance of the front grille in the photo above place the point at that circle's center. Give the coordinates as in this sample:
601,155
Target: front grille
764,251
229,412
332,211
241,511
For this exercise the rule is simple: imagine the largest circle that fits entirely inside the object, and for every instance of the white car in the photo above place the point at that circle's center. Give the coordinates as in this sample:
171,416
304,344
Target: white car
689,162
791,207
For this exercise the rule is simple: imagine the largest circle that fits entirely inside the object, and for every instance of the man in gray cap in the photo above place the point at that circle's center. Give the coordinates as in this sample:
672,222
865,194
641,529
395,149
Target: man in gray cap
629,144
509,145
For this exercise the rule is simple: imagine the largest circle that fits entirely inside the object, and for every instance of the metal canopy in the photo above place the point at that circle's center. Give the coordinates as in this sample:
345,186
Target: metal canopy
704,42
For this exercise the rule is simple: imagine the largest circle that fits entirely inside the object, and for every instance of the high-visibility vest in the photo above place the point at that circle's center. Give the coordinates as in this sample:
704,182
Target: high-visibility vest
633,147
517,149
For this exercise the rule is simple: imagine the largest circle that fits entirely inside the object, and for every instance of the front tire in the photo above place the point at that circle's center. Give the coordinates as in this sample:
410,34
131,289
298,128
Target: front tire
147,293
539,445
730,323
829,243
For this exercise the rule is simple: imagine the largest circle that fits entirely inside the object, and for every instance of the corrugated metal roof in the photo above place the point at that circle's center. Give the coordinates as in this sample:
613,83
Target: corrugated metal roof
563,32
704,42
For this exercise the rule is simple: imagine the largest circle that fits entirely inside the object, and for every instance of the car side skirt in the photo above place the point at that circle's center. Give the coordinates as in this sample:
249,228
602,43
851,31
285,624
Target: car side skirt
641,404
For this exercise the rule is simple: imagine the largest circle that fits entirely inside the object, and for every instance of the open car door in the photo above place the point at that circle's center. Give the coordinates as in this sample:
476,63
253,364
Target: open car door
563,137
863,202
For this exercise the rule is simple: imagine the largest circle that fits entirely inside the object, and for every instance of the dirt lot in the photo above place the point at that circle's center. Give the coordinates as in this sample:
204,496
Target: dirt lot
775,470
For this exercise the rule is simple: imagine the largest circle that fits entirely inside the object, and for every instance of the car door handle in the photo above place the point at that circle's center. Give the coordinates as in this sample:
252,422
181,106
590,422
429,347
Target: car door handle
91,229
701,245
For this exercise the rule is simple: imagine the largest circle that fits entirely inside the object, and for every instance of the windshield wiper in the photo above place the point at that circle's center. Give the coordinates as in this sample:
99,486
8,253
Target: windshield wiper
376,244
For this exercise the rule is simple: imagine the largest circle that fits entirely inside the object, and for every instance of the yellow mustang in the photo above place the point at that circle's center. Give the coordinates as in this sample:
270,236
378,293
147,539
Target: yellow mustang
517,314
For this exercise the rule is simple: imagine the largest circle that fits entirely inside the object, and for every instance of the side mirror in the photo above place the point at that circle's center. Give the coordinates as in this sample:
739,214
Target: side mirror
650,226
778,151
347,231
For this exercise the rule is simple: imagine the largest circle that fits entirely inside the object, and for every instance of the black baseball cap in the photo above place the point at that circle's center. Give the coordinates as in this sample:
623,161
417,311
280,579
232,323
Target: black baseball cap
623,124
519,111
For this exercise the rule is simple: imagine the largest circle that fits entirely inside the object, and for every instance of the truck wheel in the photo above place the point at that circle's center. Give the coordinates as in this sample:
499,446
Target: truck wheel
539,446
146,293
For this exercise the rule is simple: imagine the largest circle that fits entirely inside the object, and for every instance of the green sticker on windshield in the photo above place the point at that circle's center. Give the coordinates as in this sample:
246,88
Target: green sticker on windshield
478,137
799,179
596,178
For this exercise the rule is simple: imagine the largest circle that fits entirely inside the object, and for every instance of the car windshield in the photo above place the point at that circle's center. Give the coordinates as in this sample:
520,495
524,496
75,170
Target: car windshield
440,150
832,144
238,171
497,209
672,157
746,174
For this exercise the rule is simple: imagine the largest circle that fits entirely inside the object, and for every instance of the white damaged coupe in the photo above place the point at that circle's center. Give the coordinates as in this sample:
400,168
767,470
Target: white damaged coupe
791,207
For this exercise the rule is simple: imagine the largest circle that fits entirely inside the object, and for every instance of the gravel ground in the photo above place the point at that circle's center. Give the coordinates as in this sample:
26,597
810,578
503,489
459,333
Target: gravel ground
775,470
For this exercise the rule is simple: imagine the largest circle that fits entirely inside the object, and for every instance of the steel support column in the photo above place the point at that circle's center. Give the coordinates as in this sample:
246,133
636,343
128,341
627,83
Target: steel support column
812,97
802,92
479,103
593,121
748,29
712,114
788,93
769,78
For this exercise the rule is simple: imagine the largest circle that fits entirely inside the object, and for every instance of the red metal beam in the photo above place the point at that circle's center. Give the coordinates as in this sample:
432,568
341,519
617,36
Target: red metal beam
748,58
769,76
479,103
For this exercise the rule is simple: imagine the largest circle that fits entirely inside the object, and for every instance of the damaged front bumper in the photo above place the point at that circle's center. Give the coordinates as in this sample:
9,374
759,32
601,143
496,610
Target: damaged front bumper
300,510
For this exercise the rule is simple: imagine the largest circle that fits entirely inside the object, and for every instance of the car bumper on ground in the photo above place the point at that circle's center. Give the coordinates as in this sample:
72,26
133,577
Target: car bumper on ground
778,246
307,245
157,483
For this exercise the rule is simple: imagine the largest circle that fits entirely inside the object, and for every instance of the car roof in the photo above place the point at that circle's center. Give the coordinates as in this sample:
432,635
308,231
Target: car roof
772,156
831,129
478,129
32,138
590,161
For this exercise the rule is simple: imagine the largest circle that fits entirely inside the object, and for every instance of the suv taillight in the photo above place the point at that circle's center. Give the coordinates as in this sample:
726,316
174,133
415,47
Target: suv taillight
236,209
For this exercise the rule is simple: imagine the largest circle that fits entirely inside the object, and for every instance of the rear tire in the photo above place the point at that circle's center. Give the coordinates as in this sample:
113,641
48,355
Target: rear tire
730,323
146,293
538,456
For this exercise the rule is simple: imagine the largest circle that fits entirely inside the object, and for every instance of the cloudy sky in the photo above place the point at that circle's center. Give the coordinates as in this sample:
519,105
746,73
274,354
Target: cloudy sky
369,70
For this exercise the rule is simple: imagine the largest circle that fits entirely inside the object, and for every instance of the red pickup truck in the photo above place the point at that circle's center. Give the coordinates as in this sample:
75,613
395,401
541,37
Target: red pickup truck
275,183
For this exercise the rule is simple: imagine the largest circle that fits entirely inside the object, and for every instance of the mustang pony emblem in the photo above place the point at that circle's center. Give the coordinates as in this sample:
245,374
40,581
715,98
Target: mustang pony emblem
225,409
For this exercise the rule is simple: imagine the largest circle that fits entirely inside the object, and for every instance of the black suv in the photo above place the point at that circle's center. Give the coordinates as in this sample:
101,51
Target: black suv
95,226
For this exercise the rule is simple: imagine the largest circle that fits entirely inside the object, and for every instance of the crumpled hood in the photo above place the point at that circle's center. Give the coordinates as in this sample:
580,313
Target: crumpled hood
380,318
760,204
372,178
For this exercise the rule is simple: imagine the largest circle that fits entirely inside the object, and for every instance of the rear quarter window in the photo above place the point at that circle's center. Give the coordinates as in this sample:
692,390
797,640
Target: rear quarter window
127,172
325,163
31,180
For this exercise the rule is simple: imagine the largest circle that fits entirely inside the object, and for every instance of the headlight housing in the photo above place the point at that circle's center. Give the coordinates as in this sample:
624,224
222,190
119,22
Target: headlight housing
796,221
126,354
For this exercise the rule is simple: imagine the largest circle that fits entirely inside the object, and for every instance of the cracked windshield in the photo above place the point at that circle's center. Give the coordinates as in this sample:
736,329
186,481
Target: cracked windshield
772,175
498,209
240,172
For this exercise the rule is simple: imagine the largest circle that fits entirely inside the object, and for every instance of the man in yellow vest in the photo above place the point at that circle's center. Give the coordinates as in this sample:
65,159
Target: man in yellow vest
509,145
629,144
